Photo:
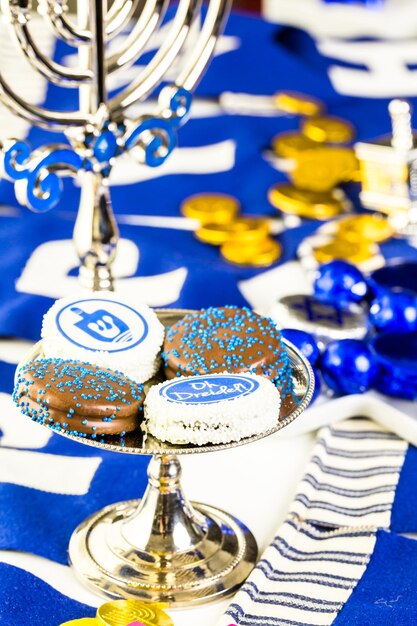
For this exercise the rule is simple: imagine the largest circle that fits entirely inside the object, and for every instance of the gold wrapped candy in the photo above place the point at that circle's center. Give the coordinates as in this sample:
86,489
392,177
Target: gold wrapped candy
260,253
211,207
374,228
304,203
296,103
323,168
124,612
244,240
327,129
355,252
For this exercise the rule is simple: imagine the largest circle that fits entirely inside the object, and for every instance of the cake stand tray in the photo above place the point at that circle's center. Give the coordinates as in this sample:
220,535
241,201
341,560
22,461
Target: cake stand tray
162,548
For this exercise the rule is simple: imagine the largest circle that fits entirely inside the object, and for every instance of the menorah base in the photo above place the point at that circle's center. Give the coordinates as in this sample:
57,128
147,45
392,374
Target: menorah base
162,548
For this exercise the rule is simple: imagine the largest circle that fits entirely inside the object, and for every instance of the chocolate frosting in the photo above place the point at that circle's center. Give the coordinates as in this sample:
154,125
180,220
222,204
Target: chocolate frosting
79,397
226,339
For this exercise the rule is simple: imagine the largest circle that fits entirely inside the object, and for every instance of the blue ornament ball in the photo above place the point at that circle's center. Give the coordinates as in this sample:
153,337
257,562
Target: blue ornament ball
340,282
304,342
394,311
348,366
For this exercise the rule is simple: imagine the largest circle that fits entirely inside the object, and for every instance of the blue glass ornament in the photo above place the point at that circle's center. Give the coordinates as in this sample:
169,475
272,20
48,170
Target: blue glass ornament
396,359
304,342
340,282
396,276
348,366
394,311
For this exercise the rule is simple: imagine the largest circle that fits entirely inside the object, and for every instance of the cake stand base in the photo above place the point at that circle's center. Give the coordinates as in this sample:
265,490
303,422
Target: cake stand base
161,548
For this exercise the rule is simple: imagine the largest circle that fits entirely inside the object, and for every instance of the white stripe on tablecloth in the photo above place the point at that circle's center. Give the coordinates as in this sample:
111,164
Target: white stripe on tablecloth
27,82
352,476
304,577
53,473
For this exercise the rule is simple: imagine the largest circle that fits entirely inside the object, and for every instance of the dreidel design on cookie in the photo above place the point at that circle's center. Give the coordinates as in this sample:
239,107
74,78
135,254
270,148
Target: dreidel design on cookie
102,325
389,171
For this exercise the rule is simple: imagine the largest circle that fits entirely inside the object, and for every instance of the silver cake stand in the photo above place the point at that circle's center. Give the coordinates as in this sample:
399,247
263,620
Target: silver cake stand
162,548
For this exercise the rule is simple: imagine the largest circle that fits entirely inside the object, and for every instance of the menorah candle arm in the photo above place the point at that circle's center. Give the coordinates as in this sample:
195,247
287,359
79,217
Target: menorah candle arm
198,59
162,61
55,11
139,36
119,15
18,17
39,116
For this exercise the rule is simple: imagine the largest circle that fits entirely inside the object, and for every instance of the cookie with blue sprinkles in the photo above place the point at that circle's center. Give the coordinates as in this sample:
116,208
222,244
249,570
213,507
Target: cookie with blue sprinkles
214,408
79,398
229,339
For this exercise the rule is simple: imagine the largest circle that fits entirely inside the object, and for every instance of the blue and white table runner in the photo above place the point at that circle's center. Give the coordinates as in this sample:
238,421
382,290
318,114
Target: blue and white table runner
47,484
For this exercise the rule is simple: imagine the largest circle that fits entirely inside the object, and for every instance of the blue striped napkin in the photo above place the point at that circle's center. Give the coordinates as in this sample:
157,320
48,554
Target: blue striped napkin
359,474
336,560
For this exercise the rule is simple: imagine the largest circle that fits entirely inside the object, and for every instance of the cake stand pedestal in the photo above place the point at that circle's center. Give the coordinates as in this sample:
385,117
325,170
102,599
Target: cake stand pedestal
162,548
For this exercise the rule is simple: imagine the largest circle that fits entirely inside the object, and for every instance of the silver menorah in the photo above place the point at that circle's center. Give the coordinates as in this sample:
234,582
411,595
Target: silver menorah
103,128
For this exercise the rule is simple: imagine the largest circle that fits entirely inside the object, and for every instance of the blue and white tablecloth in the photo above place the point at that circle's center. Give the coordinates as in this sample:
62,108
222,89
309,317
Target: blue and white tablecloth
48,485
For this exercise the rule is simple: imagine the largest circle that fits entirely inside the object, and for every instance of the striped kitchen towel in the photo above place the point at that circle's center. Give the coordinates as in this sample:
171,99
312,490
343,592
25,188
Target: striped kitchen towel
337,560
360,474
338,577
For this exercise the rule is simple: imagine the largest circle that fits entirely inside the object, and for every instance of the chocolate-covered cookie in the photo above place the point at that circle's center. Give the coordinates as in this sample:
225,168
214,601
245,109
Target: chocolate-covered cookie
79,398
228,339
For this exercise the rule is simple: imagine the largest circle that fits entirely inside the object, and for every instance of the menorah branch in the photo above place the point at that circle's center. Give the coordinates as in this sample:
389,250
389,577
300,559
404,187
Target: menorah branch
119,15
196,63
142,31
59,74
161,62
39,116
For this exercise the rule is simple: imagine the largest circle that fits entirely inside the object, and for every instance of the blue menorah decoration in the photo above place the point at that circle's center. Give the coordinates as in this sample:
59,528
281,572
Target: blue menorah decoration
102,129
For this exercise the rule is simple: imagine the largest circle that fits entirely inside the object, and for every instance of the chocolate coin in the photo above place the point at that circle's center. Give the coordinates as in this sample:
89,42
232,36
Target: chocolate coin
323,169
326,129
355,252
291,144
304,203
259,254
297,103
373,227
124,612
210,207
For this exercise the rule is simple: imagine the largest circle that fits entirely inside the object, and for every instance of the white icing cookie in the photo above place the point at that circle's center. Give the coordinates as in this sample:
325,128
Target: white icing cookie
213,408
105,330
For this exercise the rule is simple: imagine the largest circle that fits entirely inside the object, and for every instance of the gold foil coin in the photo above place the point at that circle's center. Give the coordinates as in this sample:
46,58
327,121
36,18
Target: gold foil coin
374,228
307,204
291,145
208,208
326,129
214,234
324,168
298,103
124,612
83,621
245,229
249,229
352,251
259,254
